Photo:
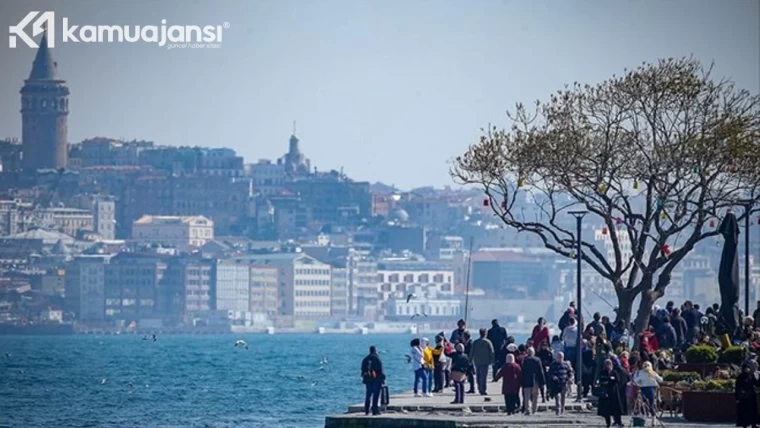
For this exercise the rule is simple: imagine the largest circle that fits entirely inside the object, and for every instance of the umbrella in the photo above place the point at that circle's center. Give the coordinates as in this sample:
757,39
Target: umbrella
729,318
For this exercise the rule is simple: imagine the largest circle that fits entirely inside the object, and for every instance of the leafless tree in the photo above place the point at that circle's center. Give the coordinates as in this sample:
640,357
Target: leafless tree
657,156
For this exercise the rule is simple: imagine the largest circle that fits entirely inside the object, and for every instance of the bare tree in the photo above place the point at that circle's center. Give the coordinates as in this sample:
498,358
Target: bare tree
656,157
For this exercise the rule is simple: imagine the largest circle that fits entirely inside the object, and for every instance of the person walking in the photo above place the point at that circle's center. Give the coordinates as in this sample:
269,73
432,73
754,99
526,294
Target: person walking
746,399
419,368
540,332
560,374
459,365
511,375
570,337
609,406
373,378
533,380
483,356
467,342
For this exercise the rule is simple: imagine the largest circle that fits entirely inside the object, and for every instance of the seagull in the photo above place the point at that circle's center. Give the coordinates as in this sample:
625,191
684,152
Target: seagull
410,296
103,381
241,344
415,315
155,338
7,355
323,361
315,383
145,337
300,378
408,359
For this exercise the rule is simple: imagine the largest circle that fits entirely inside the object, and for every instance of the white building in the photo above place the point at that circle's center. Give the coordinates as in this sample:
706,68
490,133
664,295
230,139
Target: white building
183,233
267,177
232,279
264,283
398,278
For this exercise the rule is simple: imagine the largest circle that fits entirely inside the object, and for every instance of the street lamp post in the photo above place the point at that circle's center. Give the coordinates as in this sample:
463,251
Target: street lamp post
578,350
747,203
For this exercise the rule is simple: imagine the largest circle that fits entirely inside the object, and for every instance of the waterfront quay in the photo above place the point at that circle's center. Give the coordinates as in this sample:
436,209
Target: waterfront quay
406,411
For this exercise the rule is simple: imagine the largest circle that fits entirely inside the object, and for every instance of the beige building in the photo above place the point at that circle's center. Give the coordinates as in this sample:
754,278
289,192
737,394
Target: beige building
263,292
183,233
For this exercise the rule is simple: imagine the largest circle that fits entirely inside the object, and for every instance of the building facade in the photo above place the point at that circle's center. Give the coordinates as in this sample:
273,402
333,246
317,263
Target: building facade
183,233
232,278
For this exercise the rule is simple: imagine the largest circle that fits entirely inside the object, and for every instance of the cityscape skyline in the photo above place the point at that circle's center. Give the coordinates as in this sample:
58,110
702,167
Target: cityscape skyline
361,97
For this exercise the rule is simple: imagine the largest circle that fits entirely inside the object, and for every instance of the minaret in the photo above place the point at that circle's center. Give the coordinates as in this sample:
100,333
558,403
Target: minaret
44,110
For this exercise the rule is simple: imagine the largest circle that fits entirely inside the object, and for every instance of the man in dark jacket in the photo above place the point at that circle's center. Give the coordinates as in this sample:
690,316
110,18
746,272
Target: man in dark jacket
693,318
498,337
482,357
533,380
456,335
666,336
373,378
595,327
679,325
756,315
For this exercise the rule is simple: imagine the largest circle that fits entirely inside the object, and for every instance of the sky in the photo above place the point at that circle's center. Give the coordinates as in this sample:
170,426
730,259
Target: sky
390,90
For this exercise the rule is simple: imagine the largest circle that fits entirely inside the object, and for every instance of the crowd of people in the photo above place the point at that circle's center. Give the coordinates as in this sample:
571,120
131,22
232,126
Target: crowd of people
623,375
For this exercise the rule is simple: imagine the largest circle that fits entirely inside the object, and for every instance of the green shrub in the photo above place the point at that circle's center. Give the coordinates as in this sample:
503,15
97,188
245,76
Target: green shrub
701,354
690,377
732,355
713,385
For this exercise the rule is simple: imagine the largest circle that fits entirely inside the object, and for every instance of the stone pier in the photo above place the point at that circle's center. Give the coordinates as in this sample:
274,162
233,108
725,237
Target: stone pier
407,411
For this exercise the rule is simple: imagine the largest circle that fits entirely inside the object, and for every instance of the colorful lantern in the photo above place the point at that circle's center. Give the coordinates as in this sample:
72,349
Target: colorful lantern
520,182
666,250
619,220
504,204
604,231
486,202
602,188
712,223
664,215
635,184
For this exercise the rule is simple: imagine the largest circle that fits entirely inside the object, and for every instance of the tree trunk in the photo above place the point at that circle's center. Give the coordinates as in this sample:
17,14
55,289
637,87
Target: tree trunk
625,306
648,297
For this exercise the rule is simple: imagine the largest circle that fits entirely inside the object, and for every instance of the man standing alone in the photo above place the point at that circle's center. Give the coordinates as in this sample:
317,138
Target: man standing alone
498,337
372,377
482,356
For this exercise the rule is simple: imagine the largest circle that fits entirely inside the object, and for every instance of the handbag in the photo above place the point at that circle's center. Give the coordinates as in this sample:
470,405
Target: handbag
457,376
385,397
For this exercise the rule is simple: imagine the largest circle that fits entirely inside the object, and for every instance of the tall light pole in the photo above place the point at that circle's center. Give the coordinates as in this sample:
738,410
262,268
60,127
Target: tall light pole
578,351
747,203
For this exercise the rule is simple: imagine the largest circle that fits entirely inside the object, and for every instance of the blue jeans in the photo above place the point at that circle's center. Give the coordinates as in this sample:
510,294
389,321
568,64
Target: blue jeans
421,375
429,378
648,393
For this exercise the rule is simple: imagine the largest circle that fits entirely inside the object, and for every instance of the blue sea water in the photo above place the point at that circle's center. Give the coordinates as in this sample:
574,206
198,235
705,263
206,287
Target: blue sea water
188,381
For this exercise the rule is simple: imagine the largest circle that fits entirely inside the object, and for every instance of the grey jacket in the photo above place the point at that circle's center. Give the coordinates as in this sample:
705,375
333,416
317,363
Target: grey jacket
482,352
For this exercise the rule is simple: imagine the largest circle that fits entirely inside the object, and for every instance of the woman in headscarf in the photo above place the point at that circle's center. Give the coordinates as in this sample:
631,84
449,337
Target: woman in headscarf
459,365
647,380
609,406
511,376
746,398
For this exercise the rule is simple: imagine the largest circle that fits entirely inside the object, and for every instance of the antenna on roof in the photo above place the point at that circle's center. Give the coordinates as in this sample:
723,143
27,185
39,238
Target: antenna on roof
294,127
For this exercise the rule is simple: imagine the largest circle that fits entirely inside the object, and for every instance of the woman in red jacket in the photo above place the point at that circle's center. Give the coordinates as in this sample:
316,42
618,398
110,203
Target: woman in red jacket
540,332
511,376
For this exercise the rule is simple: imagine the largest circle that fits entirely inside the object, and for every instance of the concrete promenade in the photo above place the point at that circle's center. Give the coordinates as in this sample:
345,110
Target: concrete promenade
405,410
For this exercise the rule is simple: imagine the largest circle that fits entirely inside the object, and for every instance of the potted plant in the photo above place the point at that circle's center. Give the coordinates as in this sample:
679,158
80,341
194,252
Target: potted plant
701,359
680,380
710,401
733,355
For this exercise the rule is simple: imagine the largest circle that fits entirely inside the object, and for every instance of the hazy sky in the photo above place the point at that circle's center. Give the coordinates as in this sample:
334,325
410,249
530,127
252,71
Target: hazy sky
389,89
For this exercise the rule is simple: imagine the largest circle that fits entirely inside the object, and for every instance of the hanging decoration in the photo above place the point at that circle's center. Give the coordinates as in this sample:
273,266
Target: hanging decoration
658,203
712,223
604,230
572,254
504,204
635,184
602,188
665,250
619,220
664,215
486,202
520,182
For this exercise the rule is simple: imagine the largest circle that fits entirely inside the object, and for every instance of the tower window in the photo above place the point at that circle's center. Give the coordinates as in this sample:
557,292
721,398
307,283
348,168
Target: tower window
44,103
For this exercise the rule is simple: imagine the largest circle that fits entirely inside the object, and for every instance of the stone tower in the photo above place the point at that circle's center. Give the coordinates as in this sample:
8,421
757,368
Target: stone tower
44,109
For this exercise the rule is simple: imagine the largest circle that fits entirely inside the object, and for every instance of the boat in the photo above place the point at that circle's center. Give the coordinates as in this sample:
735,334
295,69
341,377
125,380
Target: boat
270,330
321,330
363,330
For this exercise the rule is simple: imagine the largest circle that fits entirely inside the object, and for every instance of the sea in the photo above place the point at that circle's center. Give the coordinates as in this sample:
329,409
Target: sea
189,380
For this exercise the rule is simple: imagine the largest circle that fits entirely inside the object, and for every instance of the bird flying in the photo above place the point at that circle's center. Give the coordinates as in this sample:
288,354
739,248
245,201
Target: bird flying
241,344
410,296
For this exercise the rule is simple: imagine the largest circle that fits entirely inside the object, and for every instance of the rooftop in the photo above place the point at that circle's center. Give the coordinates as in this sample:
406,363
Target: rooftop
158,219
